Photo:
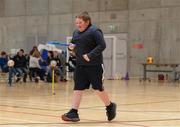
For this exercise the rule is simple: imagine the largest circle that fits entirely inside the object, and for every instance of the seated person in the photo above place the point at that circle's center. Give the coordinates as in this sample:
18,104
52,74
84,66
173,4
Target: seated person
20,65
61,64
53,56
34,66
3,61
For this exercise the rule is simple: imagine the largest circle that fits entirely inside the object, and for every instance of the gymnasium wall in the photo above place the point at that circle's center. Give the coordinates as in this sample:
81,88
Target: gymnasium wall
153,23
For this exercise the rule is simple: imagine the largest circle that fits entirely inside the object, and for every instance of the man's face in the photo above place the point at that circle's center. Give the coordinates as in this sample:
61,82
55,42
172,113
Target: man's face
81,25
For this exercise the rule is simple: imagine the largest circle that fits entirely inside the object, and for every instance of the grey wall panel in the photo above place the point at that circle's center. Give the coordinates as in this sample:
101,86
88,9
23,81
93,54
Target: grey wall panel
140,4
2,8
135,31
170,13
37,7
60,6
15,7
13,32
61,19
170,2
114,16
1,34
110,5
85,5
151,30
170,35
135,68
59,32
36,20
14,21
16,33
36,31
145,14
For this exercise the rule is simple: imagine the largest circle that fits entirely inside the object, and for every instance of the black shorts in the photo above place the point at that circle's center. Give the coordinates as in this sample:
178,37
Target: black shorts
84,76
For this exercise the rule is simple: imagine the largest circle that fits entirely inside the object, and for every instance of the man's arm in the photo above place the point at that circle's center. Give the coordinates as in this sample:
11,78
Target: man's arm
101,45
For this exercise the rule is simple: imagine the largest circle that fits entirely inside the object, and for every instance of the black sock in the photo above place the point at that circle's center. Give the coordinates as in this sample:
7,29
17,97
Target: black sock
74,110
110,105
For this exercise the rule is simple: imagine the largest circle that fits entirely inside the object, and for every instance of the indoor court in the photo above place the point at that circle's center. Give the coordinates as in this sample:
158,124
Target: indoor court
52,50
139,104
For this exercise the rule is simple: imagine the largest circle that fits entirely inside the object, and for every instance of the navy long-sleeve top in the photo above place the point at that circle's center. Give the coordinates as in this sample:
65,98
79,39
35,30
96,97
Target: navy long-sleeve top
20,61
90,42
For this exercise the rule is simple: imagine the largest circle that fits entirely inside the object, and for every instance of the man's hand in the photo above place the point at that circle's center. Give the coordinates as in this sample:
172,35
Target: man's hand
86,57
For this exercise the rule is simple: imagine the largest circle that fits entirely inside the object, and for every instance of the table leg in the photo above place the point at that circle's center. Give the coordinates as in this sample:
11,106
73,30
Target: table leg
144,72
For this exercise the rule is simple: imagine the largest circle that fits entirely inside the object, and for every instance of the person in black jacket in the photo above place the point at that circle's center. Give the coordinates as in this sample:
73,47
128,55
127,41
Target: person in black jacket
88,44
20,65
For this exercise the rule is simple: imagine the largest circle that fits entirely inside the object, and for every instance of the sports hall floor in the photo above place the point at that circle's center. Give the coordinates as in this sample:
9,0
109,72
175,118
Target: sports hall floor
140,104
